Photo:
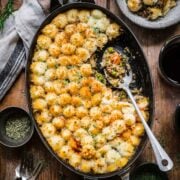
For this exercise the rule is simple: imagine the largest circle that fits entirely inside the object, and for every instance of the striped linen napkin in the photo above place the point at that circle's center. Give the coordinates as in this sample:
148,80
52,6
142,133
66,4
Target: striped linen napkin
16,38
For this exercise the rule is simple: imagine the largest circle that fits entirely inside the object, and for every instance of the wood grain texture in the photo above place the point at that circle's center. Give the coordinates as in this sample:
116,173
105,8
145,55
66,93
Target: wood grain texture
166,98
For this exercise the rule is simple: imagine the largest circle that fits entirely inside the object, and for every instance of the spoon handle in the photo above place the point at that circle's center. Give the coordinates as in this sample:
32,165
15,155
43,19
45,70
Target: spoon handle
163,160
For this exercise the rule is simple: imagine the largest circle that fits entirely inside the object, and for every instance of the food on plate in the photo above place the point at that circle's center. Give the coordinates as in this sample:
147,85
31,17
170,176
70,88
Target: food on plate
86,123
151,9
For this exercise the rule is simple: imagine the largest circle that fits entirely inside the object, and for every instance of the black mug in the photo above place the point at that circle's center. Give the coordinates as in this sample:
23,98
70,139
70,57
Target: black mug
169,61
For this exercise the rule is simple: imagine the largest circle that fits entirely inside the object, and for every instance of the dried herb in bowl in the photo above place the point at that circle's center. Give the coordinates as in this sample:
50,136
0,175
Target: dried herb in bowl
17,127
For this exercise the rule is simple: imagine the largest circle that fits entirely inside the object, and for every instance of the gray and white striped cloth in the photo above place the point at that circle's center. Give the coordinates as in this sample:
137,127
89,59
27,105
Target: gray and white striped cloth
16,38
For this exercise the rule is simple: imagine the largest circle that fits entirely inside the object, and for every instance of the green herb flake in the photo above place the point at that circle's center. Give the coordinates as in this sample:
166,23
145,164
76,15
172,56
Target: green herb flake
111,50
100,77
66,81
96,29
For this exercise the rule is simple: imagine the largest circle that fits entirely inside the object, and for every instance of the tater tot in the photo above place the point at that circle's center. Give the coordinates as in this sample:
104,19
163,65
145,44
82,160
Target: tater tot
55,110
51,98
64,60
72,15
48,130
85,121
61,38
91,45
64,99
77,39
129,119
95,113
37,80
119,126
68,49
81,27
138,130
39,104
75,160
86,70
38,68
44,41
69,111
69,29
51,62
74,74
76,101
54,50
85,92
86,166
58,122
59,87
61,72
73,88
74,60
102,24
49,86
82,53
43,117
96,99
113,30
56,142
66,134
84,15
36,92
50,74
65,152
102,40
60,21
40,55
72,123
96,87
97,14
81,111
50,30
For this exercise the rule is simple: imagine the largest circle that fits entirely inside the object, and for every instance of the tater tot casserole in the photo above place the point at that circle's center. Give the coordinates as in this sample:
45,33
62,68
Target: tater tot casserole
85,122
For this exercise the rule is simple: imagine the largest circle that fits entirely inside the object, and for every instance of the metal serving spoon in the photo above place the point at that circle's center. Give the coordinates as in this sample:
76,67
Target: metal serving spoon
163,160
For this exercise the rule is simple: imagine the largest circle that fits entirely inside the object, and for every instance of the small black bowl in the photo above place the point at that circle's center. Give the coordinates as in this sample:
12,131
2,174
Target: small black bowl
146,169
168,65
10,112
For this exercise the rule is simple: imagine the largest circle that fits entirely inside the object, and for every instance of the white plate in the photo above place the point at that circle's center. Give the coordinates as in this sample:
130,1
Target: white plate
171,18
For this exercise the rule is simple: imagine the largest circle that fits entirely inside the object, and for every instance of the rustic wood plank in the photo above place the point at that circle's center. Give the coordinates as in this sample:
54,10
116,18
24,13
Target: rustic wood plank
166,98
102,3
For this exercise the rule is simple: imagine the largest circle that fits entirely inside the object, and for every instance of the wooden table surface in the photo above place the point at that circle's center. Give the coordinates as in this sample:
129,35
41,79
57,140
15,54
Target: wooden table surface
166,99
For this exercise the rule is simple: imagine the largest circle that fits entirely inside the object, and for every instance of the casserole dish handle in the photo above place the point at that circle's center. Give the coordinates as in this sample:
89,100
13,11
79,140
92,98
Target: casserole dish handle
58,3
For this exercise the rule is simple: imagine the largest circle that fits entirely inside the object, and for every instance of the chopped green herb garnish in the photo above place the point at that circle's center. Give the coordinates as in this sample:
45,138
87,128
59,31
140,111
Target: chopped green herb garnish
110,49
66,81
114,73
100,77
122,94
96,30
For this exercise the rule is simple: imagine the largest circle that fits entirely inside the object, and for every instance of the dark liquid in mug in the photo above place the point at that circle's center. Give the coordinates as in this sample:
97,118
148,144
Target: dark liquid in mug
171,62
